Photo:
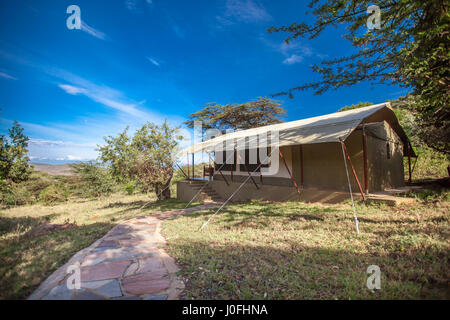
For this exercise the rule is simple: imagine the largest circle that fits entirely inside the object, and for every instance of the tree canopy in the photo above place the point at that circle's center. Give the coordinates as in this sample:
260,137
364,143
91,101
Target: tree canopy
146,157
14,160
256,113
409,49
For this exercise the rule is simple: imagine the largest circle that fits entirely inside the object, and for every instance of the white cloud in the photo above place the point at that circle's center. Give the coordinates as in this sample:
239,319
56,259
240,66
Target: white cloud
135,5
73,158
156,63
131,4
93,32
102,94
245,11
293,59
7,76
52,143
175,28
71,89
293,52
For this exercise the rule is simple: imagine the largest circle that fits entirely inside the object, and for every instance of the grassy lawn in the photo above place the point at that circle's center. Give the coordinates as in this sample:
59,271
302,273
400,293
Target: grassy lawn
260,250
26,260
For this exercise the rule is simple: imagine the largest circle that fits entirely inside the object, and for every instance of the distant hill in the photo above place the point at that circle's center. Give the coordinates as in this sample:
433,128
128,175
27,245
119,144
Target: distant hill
54,169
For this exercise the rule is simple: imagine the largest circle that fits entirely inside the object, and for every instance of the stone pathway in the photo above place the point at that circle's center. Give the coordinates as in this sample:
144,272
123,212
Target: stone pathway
127,263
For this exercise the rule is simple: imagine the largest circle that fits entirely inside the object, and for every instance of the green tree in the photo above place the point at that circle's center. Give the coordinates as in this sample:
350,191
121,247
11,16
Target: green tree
95,179
14,160
256,113
155,147
146,157
410,49
118,154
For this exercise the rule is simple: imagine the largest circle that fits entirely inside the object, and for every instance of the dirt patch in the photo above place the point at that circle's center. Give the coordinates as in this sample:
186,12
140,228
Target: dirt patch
54,169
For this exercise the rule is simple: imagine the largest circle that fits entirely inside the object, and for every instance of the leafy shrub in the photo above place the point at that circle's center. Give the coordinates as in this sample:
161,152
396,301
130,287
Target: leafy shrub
14,194
129,188
430,164
95,179
54,193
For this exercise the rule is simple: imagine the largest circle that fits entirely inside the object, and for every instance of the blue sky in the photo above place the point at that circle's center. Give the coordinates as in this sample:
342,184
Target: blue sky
149,60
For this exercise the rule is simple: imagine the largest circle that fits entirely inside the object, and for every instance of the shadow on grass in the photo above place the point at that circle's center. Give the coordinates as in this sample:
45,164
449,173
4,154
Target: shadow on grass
19,224
27,261
291,271
160,205
242,215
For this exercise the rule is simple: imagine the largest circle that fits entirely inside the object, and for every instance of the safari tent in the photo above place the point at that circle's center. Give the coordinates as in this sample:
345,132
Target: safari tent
319,158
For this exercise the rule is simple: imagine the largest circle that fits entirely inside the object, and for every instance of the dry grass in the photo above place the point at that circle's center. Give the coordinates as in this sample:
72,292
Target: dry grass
25,261
293,250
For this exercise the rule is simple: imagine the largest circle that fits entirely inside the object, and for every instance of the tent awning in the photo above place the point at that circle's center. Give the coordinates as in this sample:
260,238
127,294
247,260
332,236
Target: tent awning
327,128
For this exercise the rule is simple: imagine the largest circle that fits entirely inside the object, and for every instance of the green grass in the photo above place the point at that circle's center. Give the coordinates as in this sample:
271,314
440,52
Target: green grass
25,261
292,250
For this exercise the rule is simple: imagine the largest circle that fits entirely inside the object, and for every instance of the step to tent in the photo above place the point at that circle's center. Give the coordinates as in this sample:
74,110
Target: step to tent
210,194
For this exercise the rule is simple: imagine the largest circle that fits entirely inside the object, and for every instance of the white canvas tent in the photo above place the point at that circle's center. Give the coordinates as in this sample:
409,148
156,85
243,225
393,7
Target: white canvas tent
332,127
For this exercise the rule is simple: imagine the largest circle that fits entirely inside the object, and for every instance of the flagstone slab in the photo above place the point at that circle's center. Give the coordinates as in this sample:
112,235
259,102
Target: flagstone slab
94,284
87,295
108,243
131,269
146,287
156,297
142,277
150,264
60,292
110,290
107,270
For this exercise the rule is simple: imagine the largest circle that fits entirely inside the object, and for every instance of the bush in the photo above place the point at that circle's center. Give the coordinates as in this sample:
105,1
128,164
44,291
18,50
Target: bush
430,164
54,193
13,194
130,188
95,180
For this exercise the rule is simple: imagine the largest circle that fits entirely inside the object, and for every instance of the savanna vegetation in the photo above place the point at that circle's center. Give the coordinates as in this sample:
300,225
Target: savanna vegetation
260,250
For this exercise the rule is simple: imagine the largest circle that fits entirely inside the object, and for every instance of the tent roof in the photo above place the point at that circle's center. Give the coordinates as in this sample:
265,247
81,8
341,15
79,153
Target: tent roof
326,128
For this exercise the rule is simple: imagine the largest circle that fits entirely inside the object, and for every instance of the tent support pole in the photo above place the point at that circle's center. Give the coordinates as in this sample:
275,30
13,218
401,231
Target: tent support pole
409,163
231,172
193,167
188,167
232,165
366,174
353,169
301,167
229,198
220,171
344,151
414,165
181,170
246,168
260,173
287,168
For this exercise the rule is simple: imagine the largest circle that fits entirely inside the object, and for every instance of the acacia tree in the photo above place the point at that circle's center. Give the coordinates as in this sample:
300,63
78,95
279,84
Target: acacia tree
146,157
117,153
256,113
410,49
14,160
154,147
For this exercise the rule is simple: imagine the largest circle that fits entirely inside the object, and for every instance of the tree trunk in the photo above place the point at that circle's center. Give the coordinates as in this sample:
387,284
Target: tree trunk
163,192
